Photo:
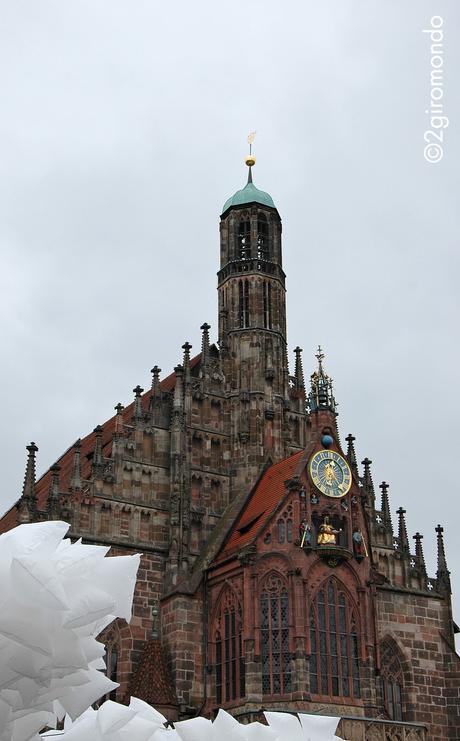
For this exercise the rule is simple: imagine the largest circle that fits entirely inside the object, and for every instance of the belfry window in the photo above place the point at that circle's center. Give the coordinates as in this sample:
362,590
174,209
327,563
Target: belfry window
243,292
244,240
263,252
274,637
229,660
334,660
267,304
391,681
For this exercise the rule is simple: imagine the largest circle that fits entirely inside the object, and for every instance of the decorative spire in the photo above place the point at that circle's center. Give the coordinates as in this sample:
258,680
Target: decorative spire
137,391
321,396
75,479
351,455
205,343
53,491
119,418
368,484
442,574
299,379
419,555
385,506
250,159
28,489
402,531
186,347
155,378
178,400
97,457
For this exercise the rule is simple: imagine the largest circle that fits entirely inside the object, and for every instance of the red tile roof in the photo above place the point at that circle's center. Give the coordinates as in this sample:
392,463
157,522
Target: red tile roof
263,500
87,448
151,681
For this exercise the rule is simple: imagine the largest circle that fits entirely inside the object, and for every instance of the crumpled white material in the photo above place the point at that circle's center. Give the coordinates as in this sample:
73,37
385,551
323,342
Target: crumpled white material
140,722
55,598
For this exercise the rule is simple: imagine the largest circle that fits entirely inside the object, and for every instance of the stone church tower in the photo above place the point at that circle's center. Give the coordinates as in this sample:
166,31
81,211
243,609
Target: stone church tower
270,576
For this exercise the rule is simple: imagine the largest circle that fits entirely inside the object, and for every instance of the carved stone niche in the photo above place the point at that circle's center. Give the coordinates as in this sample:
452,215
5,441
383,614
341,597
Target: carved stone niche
333,554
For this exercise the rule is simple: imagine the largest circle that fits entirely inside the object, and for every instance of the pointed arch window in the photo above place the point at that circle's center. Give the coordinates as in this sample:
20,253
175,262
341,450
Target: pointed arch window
229,659
263,251
244,240
274,637
243,288
391,680
334,660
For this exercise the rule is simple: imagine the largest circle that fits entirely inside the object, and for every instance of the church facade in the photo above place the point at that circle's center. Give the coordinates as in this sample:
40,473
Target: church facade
272,574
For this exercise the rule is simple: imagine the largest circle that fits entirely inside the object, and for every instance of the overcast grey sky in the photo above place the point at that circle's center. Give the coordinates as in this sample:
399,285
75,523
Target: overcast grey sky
122,132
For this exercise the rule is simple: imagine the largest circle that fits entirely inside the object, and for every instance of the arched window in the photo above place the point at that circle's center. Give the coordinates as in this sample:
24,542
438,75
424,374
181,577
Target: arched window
281,527
243,288
229,660
263,252
391,680
274,637
334,660
267,303
244,240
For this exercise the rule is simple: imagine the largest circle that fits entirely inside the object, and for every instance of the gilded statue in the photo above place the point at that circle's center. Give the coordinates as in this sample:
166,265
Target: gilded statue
327,534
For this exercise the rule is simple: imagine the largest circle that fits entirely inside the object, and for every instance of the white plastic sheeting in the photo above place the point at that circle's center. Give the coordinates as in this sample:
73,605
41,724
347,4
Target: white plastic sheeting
55,598
140,722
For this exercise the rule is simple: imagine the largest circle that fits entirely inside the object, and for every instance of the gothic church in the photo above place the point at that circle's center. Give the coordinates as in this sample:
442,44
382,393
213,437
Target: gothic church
272,575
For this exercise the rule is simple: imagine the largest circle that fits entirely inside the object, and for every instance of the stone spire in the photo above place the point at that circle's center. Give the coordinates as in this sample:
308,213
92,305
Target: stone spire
53,492
97,457
75,479
186,347
385,506
368,484
119,418
137,391
351,455
442,574
178,388
402,531
155,378
27,505
298,373
205,343
321,395
420,558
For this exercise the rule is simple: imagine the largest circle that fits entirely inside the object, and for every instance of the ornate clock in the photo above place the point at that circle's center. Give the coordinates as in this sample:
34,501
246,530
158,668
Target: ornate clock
330,473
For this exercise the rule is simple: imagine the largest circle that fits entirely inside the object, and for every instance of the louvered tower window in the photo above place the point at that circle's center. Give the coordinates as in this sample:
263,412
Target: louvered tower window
263,251
334,660
244,240
274,637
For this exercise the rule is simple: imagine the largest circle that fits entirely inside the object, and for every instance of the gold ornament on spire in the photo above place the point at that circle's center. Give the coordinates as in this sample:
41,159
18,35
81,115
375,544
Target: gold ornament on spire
250,159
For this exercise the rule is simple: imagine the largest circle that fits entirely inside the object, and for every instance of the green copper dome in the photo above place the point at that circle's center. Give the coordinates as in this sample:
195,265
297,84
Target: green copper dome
249,194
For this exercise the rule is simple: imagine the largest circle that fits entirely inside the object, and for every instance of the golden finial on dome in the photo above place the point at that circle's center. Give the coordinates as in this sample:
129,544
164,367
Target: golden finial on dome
250,159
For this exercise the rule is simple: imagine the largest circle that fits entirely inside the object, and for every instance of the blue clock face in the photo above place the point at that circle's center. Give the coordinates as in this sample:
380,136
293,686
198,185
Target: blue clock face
330,473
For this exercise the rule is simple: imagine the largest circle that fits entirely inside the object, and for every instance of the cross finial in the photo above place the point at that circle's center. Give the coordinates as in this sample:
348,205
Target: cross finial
138,390
155,376
320,357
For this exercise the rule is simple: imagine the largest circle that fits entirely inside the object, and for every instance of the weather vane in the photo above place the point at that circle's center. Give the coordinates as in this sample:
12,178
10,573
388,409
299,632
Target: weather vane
250,159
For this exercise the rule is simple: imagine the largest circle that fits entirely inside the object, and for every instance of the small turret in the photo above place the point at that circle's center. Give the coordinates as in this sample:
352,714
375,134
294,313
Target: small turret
385,507
368,484
97,456
205,344
137,391
155,378
186,347
420,559
321,395
53,493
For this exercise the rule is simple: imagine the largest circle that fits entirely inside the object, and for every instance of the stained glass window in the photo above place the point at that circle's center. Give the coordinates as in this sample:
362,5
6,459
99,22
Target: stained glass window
334,659
274,637
229,659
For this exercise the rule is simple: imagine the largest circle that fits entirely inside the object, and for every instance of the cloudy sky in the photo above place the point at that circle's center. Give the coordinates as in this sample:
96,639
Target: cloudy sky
122,133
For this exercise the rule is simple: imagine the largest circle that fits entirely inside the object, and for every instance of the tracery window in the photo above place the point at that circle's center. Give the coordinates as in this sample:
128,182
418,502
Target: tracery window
262,238
229,659
334,660
391,681
244,240
274,637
